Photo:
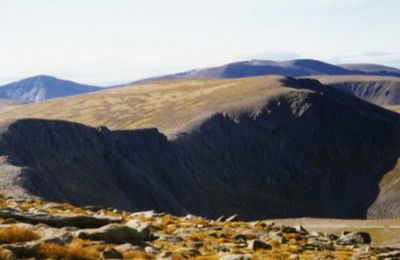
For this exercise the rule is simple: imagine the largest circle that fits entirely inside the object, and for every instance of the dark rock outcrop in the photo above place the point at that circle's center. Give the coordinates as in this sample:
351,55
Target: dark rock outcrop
380,91
312,151
57,221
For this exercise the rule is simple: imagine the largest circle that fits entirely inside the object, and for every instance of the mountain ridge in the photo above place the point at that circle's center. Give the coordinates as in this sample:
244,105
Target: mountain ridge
42,87
291,68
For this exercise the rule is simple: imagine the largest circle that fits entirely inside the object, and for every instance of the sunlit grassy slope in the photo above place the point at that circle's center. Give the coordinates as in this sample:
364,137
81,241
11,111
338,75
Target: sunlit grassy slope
167,105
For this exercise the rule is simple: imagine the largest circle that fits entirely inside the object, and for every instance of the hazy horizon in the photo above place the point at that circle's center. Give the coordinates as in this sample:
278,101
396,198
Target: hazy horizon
112,42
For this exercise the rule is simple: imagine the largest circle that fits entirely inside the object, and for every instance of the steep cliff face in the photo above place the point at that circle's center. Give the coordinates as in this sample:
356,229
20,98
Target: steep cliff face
309,151
382,91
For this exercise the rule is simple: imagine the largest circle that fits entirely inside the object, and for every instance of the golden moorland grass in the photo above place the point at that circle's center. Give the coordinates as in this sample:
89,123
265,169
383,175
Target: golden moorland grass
167,105
13,234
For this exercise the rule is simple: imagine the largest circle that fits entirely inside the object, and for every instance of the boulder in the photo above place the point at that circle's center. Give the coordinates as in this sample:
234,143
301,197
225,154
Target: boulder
116,233
111,253
79,221
258,244
351,238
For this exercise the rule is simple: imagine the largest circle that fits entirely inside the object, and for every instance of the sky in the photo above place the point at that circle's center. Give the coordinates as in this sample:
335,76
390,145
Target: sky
107,42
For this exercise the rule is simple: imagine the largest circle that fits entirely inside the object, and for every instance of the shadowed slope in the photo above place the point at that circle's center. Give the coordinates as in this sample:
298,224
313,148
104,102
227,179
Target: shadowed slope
372,69
379,90
299,150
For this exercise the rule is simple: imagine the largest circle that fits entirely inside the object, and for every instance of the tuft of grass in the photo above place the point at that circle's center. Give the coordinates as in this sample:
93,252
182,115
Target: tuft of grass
74,251
6,254
207,257
137,255
14,234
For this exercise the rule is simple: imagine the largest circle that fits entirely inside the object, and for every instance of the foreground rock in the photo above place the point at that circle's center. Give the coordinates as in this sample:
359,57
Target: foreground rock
117,234
78,221
152,235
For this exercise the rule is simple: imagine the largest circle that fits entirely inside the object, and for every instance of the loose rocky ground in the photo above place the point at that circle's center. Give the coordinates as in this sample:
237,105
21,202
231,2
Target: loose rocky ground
32,228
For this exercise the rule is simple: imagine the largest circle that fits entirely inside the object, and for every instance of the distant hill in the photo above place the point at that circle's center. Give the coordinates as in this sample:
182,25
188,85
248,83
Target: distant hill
373,69
380,90
42,87
291,68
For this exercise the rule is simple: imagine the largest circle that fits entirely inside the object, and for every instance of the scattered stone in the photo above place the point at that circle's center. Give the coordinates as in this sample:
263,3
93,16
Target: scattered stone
333,237
111,253
318,247
53,206
351,238
147,214
236,257
169,238
395,254
152,250
93,208
257,244
221,218
197,244
301,230
232,218
22,250
235,241
116,233
240,237
61,239
128,247
165,254
288,230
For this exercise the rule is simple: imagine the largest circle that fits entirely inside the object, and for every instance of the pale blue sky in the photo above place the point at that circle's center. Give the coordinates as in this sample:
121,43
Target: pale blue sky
115,41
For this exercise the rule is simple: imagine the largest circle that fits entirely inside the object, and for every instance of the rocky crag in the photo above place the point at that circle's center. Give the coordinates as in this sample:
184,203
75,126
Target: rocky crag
37,229
307,150
383,91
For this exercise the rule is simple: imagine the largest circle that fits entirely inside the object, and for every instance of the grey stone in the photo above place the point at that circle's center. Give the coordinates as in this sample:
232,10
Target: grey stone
257,244
232,218
128,247
395,254
351,238
152,250
80,221
165,254
111,253
115,233
237,257
170,238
